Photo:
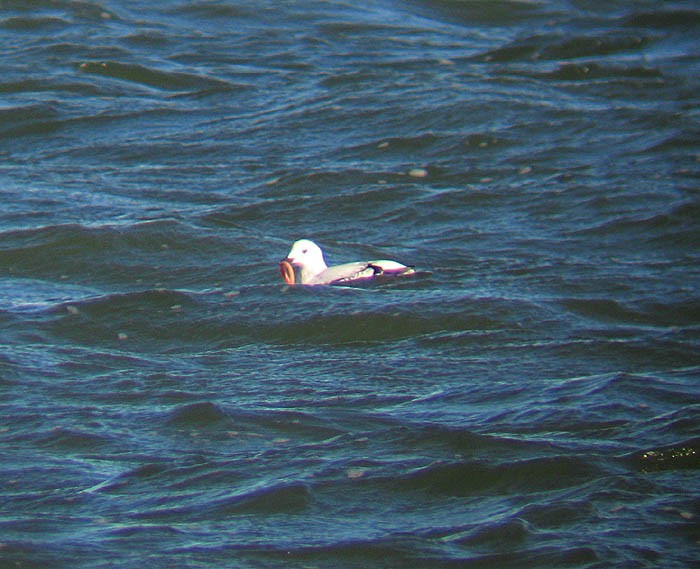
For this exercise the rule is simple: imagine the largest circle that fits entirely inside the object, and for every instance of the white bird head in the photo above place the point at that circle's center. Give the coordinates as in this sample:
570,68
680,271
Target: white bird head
308,256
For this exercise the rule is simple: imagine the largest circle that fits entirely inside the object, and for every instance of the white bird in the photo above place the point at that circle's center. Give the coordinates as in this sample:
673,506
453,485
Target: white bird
308,257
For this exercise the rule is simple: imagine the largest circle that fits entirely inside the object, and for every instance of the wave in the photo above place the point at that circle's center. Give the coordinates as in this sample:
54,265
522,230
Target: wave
556,47
664,18
640,313
175,318
166,80
74,253
43,24
32,119
40,86
595,71
481,478
684,455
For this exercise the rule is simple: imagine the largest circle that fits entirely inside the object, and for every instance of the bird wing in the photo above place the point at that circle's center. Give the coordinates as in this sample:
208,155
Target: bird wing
360,270
343,273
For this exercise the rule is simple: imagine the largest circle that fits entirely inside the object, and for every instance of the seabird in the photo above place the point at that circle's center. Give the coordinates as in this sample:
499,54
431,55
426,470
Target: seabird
308,258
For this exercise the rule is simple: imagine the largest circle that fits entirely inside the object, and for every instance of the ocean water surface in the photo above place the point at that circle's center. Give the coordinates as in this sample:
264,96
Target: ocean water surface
530,399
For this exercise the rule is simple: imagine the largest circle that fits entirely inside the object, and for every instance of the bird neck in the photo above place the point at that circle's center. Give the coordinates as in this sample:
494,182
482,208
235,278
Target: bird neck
310,270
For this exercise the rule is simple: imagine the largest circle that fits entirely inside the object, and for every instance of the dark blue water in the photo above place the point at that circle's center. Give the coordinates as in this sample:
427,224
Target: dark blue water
531,400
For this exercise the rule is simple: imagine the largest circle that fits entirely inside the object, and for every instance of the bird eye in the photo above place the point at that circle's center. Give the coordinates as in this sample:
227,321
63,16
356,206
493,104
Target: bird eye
305,251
